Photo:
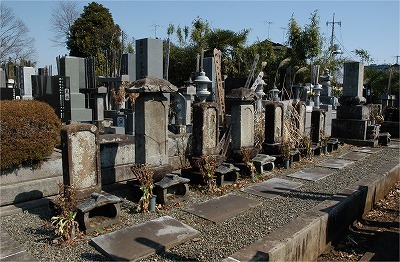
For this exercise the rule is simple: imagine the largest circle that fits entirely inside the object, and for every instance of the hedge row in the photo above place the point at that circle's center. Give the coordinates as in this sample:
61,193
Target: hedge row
29,131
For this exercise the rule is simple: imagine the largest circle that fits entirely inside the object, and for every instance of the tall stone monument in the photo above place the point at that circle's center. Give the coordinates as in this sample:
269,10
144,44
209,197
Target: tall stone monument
74,67
352,120
25,82
151,120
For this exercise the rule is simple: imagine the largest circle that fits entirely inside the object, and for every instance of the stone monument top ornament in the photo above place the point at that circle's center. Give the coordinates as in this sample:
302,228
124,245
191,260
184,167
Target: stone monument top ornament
241,94
151,84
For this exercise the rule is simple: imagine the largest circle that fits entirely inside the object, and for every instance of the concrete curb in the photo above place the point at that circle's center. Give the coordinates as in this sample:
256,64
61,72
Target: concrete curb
308,236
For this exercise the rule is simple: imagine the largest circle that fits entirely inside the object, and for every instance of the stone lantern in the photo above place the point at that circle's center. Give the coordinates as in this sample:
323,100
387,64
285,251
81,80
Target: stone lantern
259,94
202,82
275,91
317,89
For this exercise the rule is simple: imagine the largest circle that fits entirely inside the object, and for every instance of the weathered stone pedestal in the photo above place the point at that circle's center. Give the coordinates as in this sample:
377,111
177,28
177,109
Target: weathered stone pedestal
151,122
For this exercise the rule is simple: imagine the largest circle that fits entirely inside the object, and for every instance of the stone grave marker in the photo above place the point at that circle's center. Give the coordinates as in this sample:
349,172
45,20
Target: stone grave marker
81,158
151,120
74,67
205,129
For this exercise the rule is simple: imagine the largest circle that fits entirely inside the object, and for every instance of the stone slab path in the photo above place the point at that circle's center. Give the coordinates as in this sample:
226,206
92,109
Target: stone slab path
312,174
354,155
272,187
11,250
141,241
223,207
335,163
369,150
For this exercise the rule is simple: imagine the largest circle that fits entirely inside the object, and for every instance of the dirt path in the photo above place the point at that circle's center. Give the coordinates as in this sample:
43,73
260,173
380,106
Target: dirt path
373,238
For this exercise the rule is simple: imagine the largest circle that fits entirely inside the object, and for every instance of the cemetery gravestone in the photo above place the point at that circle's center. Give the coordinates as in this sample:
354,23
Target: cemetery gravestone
242,117
81,158
25,81
74,67
205,129
128,66
273,127
151,120
351,124
149,58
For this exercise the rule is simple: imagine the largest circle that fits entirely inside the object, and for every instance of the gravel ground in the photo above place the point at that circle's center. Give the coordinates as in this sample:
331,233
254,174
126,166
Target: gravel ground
216,241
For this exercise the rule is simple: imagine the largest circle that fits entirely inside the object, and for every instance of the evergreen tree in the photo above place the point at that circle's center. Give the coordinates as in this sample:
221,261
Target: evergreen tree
95,34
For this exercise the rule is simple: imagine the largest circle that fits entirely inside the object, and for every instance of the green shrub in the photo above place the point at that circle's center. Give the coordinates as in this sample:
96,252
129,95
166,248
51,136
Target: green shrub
29,131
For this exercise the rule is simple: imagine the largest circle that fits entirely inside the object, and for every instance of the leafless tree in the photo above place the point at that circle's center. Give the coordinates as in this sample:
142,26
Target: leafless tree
15,42
63,16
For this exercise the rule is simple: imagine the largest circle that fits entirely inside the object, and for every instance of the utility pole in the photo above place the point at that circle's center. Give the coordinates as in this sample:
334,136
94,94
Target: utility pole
333,29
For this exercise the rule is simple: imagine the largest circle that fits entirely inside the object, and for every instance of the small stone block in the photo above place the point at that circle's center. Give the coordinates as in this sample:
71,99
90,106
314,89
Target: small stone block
97,211
226,172
143,240
262,161
316,149
171,184
384,138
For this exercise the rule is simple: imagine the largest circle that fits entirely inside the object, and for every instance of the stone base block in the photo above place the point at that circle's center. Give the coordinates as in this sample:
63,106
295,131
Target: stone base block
359,142
359,112
349,129
271,149
384,139
392,127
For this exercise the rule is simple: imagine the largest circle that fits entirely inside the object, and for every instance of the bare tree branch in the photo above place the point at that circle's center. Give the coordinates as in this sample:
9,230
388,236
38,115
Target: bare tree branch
63,16
15,43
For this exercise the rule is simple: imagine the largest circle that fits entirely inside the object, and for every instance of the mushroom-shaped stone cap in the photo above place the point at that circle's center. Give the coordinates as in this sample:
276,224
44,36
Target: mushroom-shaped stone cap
202,79
151,84
241,94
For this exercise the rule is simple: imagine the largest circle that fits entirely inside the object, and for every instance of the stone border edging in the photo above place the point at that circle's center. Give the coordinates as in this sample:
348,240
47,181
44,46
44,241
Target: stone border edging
308,236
